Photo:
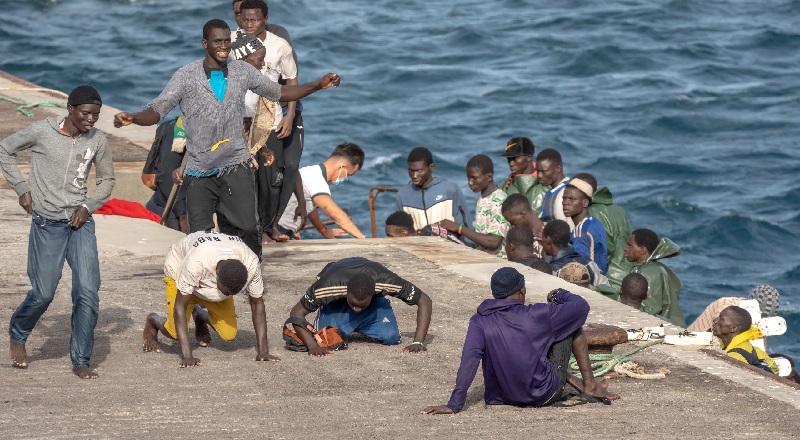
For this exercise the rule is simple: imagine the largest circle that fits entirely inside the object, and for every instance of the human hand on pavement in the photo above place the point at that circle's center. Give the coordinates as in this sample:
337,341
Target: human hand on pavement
332,233
190,362
437,410
319,351
414,348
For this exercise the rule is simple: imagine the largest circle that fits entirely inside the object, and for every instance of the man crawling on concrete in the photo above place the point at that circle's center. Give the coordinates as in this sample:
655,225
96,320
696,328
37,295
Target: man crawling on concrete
208,269
525,349
350,295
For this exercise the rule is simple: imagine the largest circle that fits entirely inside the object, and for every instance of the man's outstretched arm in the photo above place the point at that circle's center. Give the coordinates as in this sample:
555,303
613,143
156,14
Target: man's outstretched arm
299,311
293,93
471,357
489,241
182,329
260,326
424,311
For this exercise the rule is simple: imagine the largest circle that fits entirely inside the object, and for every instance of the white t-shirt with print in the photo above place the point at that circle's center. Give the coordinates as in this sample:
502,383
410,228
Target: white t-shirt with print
192,263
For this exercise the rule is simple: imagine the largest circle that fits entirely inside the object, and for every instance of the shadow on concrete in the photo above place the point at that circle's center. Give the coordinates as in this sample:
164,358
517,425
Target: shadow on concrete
56,329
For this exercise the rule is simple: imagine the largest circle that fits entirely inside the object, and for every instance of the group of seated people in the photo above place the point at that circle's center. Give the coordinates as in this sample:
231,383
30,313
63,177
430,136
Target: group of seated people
539,217
564,226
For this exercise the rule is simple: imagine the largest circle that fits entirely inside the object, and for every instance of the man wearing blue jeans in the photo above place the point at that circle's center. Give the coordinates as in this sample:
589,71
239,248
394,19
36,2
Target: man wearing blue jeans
350,295
62,226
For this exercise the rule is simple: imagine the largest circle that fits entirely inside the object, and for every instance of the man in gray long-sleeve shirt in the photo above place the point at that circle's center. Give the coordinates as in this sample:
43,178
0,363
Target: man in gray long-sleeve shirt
62,228
210,93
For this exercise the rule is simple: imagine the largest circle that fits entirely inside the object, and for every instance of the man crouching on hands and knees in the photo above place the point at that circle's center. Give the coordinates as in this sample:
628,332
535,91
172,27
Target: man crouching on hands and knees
350,295
525,348
208,269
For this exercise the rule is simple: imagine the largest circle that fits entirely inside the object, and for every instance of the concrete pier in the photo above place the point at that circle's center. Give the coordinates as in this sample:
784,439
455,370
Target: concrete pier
368,391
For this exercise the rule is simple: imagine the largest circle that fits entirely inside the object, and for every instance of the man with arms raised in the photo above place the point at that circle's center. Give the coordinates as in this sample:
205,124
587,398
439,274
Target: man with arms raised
62,227
203,272
350,295
210,93
524,349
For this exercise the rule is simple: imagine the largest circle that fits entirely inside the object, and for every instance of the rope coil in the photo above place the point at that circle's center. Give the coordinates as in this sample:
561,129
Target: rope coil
603,363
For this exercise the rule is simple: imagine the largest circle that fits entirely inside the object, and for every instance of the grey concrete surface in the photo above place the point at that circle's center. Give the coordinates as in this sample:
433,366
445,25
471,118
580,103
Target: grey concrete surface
368,391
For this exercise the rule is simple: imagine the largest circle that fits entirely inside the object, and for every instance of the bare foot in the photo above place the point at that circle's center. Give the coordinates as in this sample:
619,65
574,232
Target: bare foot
266,239
201,333
18,354
281,238
150,335
596,389
84,372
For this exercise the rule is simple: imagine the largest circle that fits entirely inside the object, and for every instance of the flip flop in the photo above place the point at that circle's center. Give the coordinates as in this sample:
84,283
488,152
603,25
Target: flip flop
595,399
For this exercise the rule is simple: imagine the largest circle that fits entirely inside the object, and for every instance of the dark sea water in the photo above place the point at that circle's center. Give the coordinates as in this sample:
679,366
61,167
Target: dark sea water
687,110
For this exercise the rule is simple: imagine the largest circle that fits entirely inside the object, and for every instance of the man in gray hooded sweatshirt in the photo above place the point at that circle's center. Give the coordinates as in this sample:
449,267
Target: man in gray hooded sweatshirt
62,227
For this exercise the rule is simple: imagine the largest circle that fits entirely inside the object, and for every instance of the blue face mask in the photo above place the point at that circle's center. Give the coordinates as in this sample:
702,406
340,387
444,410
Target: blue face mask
341,180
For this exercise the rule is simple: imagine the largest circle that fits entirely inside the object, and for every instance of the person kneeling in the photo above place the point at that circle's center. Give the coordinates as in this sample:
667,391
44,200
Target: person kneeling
511,338
349,295
208,269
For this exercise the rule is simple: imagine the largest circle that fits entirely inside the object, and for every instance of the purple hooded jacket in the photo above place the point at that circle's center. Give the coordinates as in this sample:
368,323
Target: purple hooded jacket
512,340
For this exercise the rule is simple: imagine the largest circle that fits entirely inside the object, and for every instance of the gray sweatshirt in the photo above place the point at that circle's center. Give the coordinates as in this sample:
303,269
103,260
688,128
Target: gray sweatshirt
59,166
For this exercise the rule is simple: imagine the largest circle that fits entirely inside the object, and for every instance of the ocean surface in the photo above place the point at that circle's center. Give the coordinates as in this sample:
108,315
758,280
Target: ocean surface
687,110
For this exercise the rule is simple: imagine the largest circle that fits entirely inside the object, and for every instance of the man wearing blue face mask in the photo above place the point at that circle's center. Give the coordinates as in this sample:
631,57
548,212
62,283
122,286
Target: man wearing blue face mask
345,161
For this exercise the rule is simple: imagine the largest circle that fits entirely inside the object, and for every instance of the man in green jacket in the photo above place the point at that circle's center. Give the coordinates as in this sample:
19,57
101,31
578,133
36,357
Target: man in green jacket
644,249
523,179
618,229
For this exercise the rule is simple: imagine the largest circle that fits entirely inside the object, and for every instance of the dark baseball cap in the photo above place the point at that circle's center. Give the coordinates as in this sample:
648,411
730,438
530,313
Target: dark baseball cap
518,146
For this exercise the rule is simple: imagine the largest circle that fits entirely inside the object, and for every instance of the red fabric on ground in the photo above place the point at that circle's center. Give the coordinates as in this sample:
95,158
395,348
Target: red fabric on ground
127,208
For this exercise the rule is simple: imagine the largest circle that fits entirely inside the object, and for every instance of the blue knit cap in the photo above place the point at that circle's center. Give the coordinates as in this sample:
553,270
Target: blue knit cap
506,281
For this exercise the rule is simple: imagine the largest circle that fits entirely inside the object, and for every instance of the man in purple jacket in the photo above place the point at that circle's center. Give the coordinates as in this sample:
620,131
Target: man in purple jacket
524,348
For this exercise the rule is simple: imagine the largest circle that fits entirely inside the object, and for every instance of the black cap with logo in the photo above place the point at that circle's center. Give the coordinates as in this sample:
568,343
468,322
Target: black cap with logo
518,146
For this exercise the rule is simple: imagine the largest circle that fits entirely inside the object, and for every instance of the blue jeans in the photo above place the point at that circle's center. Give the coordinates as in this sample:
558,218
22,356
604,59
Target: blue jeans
51,242
377,321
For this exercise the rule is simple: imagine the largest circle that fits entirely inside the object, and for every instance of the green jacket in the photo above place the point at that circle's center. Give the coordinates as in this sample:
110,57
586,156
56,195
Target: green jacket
606,290
663,286
618,229
529,187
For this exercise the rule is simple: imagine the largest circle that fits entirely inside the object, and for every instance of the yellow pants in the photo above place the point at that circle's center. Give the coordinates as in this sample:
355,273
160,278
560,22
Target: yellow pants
222,314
